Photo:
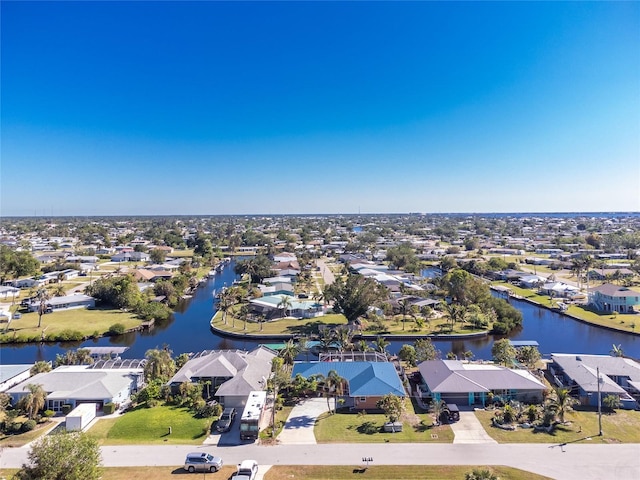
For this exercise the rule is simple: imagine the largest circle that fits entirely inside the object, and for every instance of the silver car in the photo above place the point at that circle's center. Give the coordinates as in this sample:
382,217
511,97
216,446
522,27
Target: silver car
202,462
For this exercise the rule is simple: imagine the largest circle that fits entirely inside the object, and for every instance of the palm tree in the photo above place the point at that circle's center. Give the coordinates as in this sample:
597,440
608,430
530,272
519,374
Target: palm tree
43,296
405,305
326,336
159,364
333,386
59,291
284,304
244,315
363,346
616,351
33,401
561,402
226,300
343,335
456,313
381,344
289,352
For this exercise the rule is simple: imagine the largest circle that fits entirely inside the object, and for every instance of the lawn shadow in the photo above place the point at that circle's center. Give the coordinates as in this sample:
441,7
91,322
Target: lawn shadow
368,428
423,427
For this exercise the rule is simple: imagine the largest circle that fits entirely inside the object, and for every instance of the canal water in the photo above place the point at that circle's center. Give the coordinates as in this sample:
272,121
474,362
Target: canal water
188,331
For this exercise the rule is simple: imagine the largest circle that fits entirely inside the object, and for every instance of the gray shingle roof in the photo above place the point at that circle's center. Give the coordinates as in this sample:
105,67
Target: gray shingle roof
583,370
453,376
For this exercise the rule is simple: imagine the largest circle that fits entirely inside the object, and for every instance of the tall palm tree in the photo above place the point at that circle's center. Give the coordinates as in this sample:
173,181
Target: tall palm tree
289,352
284,304
405,305
332,386
33,401
43,297
226,300
363,346
244,315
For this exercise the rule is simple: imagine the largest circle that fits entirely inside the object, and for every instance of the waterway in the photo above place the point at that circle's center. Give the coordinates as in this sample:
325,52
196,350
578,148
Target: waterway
189,331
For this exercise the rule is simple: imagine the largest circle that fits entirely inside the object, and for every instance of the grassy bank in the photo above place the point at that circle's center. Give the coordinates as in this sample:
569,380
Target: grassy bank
286,326
628,323
85,322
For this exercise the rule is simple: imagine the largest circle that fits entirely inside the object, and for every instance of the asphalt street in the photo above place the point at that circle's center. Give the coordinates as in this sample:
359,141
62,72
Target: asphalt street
568,462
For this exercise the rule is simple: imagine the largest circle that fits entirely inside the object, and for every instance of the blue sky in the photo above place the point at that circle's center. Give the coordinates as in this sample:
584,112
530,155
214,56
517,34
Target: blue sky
223,108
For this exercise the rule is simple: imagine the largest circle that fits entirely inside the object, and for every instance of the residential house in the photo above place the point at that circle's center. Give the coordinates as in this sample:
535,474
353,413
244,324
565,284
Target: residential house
613,298
29,283
228,375
8,292
65,303
465,383
11,375
366,382
618,376
271,307
76,384
146,275
559,290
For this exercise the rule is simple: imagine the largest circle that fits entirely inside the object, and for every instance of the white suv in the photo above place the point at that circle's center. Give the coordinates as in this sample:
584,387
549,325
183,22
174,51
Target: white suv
247,470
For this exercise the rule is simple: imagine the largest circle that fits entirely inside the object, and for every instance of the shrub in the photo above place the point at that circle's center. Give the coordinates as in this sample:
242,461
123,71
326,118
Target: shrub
152,403
66,408
611,402
14,427
116,329
109,408
28,426
66,335
48,413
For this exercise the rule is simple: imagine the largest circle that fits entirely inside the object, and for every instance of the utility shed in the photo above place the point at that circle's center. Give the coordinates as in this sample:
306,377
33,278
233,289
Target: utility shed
81,416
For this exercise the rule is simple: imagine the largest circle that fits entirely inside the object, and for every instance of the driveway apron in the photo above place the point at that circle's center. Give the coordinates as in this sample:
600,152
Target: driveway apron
469,430
298,430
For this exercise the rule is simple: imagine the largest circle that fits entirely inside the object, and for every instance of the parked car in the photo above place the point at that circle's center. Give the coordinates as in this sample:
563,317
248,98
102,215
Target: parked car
226,420
247,470
202,462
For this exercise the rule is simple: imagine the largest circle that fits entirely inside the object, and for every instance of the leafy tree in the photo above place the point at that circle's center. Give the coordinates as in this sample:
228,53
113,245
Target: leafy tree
354,297
528,355
157,256
16,264
190,393
407,354
181,360
404,257
5,401
33,401
258,268
392,405
503,352
40,367
159,365
119,291
448,263
425,350
63,456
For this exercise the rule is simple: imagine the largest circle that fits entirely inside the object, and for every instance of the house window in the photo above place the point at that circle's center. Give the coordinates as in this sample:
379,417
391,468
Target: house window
363,399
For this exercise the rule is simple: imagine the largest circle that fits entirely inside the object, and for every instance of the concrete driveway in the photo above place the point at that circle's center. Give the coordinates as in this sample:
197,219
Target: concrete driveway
298,430
469,430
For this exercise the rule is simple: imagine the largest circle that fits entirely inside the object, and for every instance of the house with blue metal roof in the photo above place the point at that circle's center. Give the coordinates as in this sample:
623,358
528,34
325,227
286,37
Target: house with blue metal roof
366,382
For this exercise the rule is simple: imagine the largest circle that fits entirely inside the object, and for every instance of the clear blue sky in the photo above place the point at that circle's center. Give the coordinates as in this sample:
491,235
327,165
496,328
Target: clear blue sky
211,107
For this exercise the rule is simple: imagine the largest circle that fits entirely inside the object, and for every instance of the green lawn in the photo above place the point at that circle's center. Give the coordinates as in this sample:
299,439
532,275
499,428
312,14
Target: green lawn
621,427
392,472
151,426
78,319
288,326
347,427
316,472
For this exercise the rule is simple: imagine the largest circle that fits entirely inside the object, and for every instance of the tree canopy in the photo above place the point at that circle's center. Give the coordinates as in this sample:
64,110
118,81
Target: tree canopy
63,456
354,297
